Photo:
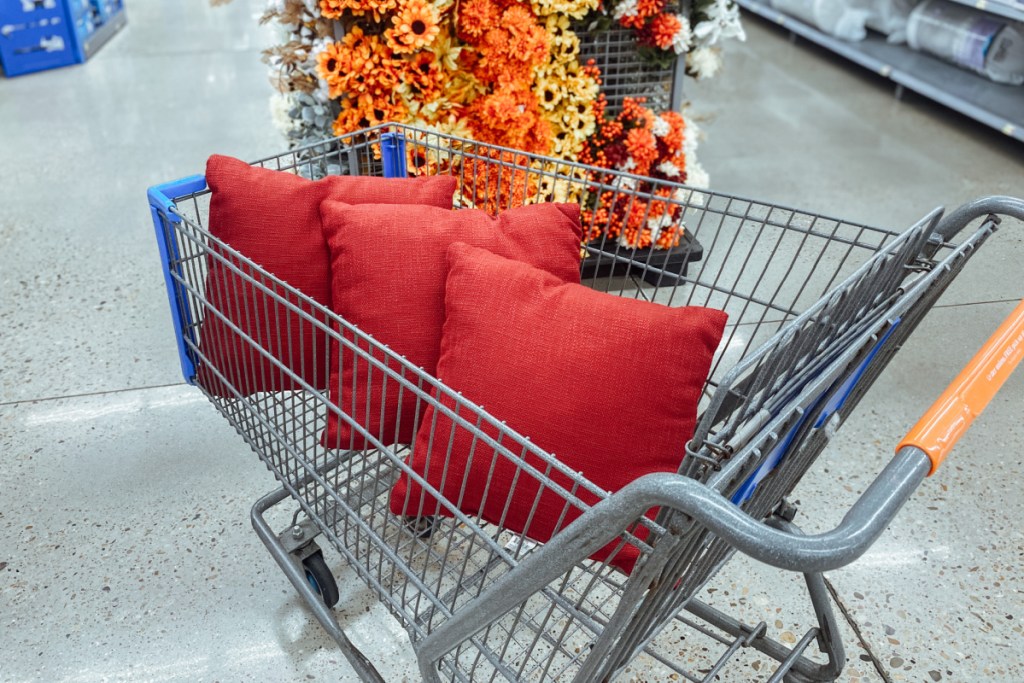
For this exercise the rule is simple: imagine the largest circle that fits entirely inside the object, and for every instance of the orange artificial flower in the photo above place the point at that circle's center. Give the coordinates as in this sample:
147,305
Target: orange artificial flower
673,141
334,9
642,148
511,50
528,39
359,64
663,29
424,73
365,111
649,8
510,117
475,17
416,25
634,110
495,187
329,64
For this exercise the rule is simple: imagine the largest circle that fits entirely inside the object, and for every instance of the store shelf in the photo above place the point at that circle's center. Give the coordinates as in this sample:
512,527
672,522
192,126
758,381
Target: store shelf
104,33
1010,10
998,106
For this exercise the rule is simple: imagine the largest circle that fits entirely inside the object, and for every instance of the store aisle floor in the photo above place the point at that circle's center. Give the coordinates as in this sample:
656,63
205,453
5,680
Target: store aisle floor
125,547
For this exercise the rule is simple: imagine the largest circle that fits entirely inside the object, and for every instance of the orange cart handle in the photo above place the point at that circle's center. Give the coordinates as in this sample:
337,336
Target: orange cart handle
950,416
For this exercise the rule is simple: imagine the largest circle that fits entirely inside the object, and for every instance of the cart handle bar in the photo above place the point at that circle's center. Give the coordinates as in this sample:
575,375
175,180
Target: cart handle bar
967,396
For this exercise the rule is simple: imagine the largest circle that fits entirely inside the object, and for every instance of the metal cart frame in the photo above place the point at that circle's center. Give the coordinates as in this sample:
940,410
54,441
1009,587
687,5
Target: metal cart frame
818,308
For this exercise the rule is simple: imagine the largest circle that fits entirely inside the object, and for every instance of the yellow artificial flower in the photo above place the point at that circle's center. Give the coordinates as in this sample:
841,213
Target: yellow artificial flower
575,9
462,87
579,121
565,47
583,89
446,50
550,91
556,24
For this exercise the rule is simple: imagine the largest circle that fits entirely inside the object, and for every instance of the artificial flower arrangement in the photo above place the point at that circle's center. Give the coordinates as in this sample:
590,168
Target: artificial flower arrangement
505,72
651,146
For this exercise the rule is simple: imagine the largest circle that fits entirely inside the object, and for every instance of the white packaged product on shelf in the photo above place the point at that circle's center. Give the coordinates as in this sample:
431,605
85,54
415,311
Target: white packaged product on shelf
981,42
890,17
844,19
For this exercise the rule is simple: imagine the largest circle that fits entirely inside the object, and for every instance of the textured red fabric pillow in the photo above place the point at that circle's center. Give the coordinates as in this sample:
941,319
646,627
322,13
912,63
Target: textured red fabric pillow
273,218
607,385
388,265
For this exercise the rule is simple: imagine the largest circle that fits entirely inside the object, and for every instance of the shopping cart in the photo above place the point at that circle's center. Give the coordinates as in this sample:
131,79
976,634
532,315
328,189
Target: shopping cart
817,307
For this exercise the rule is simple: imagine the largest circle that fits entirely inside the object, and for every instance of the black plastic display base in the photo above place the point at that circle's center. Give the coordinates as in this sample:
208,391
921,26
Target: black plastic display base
655,266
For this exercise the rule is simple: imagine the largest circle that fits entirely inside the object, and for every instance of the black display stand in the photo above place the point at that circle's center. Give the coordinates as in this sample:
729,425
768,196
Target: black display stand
655,266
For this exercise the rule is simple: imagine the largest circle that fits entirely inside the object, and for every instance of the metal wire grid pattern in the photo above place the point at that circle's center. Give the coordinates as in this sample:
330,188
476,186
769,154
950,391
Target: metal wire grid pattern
624,73
422,582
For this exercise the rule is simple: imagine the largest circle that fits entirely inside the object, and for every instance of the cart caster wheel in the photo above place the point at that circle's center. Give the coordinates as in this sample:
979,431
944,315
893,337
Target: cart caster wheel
320,578
421,527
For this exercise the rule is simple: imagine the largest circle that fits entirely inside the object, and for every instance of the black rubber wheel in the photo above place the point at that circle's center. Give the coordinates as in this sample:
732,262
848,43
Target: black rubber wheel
421,527
320,578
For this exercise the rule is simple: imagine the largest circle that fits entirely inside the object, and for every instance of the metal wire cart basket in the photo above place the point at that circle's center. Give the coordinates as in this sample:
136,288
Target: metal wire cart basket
817,306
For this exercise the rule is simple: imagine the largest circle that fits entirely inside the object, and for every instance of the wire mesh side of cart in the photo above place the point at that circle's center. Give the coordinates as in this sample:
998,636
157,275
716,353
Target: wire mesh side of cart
767,266
625,73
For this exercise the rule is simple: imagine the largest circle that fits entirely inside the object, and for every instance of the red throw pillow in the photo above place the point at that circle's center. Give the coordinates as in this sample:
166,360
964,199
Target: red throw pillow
388,265
608,385
273,218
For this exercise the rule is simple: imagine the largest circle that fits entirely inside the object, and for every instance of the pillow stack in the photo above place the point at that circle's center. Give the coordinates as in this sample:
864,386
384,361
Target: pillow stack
491,306
388,267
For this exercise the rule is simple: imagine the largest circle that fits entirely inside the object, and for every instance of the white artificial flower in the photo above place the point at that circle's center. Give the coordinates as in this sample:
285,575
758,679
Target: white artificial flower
688,197
696,176
659,223
723,21
661,127
669,169
318,46
681,40
691,136
281,105
321,94
704,62
624,183
626,8
627,166
624,243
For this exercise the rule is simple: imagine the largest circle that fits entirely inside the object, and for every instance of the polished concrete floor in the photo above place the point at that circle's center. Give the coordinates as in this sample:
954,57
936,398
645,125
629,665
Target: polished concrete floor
125,548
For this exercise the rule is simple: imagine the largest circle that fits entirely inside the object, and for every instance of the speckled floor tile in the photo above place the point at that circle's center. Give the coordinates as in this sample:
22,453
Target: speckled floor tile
127,553
81,292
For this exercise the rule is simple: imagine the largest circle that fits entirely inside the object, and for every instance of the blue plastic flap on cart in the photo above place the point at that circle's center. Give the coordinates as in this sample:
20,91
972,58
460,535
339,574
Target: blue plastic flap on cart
160,197
839,397
393,155
835,402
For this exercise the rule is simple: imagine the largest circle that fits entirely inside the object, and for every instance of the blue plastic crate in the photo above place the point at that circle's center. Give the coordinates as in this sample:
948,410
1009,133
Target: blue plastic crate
35,35
45,34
